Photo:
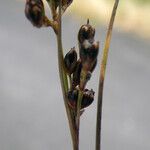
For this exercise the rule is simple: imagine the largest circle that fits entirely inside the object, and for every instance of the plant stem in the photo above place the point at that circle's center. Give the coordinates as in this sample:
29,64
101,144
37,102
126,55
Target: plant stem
79,101
64,87
80,95
102,76
64,83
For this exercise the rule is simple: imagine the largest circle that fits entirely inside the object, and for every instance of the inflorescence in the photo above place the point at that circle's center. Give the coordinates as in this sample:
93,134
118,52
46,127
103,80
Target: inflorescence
79,70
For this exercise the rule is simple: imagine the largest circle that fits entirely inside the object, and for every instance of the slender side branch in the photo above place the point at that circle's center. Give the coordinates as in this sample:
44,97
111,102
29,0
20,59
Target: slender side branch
102,76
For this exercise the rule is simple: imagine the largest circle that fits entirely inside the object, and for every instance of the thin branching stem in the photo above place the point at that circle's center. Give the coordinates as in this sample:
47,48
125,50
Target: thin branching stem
102,76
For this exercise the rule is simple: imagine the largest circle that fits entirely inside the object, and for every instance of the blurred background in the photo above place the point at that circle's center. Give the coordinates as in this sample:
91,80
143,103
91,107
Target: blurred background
32,114
133,15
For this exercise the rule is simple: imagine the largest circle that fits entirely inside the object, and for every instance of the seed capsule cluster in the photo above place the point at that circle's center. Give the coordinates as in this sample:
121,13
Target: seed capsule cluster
80,70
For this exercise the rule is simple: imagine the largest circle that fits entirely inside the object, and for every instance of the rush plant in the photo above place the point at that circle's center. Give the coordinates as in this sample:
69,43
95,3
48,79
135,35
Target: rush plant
75,70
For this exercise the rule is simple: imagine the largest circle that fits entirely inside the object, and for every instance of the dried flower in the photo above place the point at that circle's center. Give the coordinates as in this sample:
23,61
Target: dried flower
70,61
88,98
88,55
72,98
76,74
34,11
88,48
86,32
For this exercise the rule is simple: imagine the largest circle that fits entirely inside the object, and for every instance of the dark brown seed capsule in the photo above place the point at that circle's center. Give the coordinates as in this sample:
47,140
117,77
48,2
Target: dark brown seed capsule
88,98
76,74
88,55
86,32
72,97
70,61
34,11
94,66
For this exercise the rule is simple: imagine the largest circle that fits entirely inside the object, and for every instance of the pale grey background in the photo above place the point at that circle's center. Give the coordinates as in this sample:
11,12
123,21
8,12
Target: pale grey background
32,115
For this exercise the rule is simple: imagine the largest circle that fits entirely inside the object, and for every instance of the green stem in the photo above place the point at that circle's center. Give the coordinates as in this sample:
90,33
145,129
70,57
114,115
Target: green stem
64,83
102,76
80,95
79,101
